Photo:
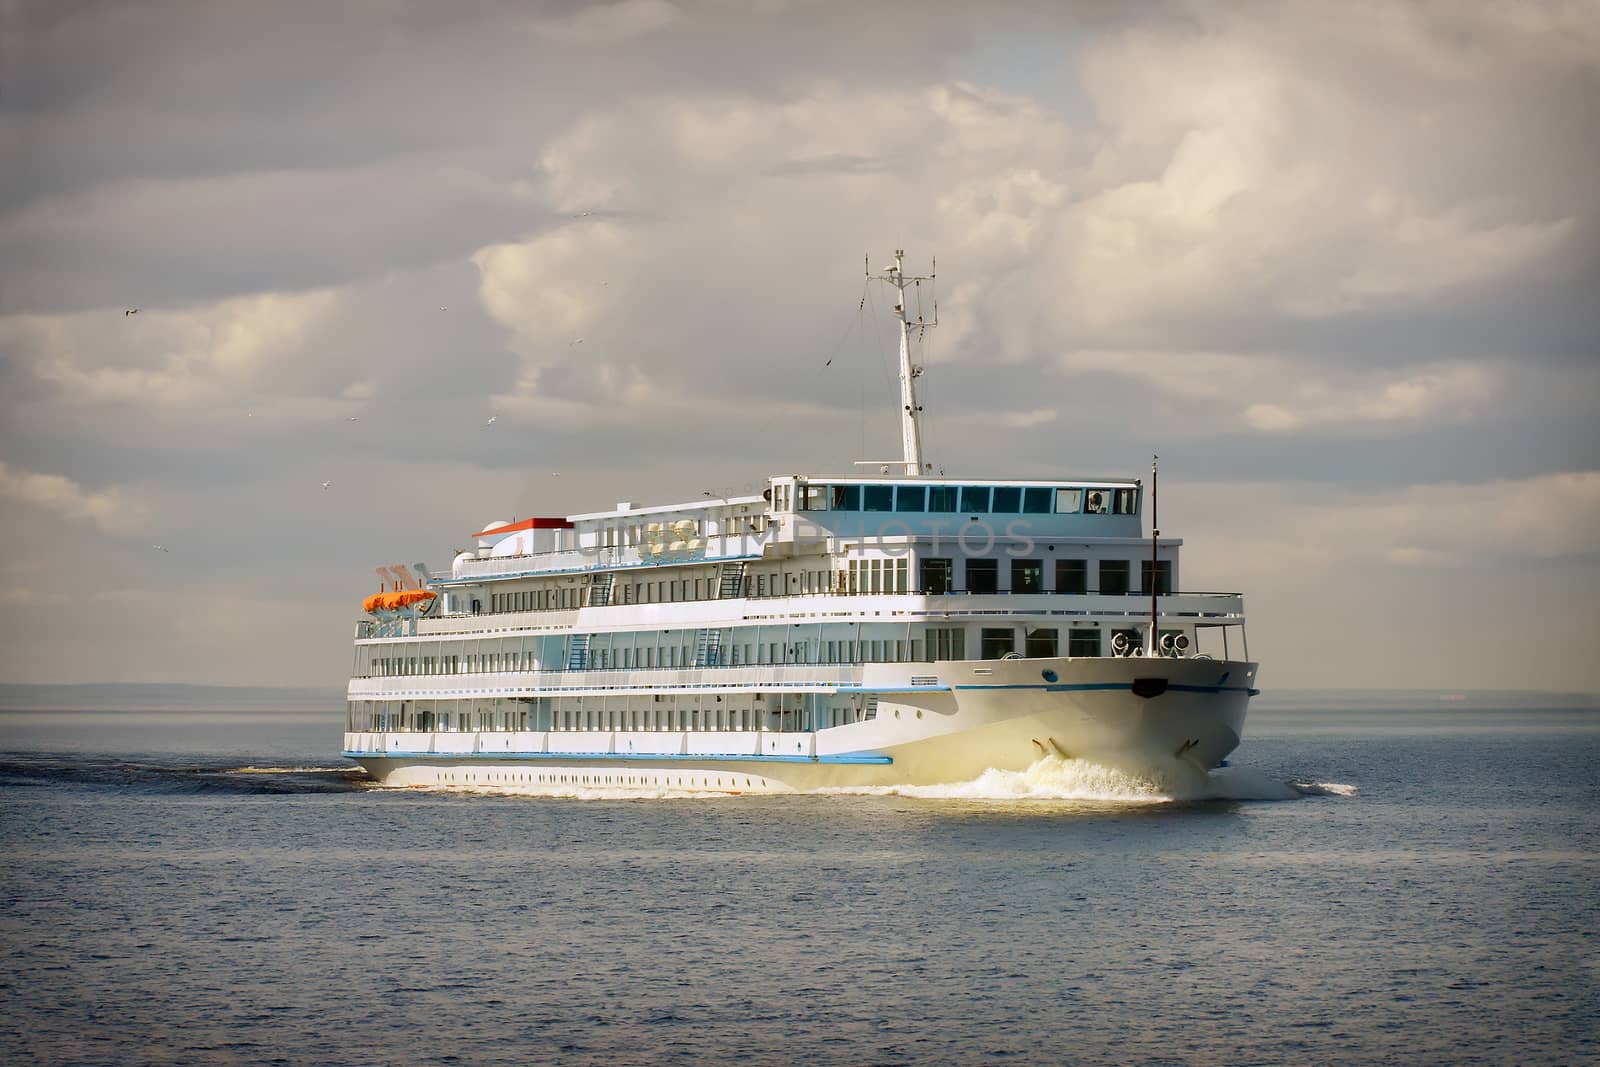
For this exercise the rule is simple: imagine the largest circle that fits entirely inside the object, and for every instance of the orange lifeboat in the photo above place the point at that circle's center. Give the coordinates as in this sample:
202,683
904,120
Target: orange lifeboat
402,598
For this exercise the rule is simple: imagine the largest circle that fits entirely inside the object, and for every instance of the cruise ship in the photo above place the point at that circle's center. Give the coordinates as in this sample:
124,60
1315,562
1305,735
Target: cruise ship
884,627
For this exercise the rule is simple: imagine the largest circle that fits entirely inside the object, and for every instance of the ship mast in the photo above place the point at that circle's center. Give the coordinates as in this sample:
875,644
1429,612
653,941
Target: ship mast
1155,558
910,410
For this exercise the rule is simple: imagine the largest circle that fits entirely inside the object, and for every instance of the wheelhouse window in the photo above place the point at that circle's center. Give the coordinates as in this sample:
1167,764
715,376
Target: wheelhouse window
1027,576
1125,502
1098,502
1036,501
1069,501
975,499
877,498
997,642
1083,641
942,498
1041,643
847,498
983,576
1113,576
911,498
813,497
1007,500
936,576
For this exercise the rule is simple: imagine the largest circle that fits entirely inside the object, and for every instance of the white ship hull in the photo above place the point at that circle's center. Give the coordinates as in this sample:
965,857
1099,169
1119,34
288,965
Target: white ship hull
976,716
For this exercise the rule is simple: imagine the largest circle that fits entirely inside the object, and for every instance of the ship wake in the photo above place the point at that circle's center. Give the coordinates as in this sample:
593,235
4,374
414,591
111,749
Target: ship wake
1053,778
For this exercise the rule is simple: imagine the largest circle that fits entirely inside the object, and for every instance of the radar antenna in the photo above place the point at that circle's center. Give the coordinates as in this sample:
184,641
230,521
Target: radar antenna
910,410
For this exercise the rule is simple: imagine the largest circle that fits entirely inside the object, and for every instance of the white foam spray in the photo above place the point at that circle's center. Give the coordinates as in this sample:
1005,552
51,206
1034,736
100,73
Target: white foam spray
1161,782
1050,778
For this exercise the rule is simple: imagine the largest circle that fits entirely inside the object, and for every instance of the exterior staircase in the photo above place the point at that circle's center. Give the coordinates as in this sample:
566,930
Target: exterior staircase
708,648
578,653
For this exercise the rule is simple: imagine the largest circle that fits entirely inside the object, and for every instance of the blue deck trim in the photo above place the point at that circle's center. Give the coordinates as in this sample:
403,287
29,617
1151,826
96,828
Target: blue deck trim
627,757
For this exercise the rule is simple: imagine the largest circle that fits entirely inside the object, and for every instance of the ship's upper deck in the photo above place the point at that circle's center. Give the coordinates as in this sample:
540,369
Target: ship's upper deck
801,510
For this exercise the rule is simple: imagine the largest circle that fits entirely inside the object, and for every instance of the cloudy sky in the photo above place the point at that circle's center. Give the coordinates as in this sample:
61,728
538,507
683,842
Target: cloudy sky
1339,263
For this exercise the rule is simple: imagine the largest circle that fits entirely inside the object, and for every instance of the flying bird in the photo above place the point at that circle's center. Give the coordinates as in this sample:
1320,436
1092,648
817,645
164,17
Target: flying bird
443,308
327,485
582,215
131,311
352,418
491,420
579,341
160,548
555,474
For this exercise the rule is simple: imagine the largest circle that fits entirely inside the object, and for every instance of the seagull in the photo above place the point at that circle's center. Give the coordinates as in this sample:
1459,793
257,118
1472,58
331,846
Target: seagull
555,474
443,308
491,420
131,311
160,548
327,485
582,215
352,418
579,341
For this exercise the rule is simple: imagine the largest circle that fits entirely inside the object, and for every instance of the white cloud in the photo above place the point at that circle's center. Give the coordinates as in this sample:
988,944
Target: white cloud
1277,394
1271,530
167,358
114,510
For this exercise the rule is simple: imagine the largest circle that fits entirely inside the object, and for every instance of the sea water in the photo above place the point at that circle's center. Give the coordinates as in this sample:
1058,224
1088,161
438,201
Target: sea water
1361,884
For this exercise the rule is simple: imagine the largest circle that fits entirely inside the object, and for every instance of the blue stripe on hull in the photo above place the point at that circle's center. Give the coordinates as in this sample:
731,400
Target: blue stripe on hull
1109,687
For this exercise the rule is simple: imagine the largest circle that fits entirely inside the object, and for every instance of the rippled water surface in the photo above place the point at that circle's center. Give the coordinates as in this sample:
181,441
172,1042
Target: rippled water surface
208,887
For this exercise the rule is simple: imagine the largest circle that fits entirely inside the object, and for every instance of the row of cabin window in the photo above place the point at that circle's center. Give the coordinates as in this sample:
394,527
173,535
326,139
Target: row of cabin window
866,576
663,713
875,576
940,643
667,591
736,654
937,576
729,650
968,499
653,533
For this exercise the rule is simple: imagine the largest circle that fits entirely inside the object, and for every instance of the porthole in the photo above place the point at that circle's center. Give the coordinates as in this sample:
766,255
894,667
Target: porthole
1049,676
